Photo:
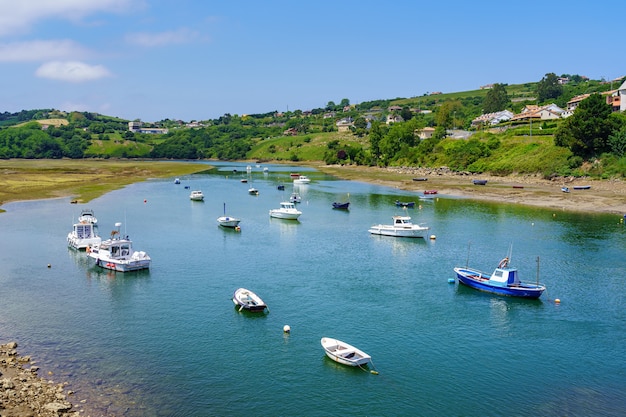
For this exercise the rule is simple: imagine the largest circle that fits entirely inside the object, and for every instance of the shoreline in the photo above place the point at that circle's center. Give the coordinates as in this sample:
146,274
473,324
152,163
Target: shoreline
603,196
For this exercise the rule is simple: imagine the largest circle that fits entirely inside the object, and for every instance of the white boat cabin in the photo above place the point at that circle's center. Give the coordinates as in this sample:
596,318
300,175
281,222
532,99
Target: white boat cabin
504,276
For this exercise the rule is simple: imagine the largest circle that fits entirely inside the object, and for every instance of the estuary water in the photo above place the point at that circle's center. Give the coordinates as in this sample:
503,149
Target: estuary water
170,342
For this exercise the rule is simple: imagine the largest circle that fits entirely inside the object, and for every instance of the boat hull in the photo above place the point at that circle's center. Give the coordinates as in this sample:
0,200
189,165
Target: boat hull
123,266
387,230
283,215
466,277
228,222
341,206
344,353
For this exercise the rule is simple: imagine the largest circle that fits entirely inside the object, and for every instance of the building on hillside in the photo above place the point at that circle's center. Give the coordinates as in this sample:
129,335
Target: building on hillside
547,112
394,118
575,101
395,108
621,91
425,133
137,127
492,118
345,124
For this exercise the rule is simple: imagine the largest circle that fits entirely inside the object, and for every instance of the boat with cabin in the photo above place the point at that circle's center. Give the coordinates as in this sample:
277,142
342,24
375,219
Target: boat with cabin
85,232
117,253
504,280
402,226
302,179
228,221
286,211
196,195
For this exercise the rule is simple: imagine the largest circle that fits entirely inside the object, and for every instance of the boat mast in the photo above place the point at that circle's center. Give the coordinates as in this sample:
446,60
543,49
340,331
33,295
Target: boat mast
469,244
537,271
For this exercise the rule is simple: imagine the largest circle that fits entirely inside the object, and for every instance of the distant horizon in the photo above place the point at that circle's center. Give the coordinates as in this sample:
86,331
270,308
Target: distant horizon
197,60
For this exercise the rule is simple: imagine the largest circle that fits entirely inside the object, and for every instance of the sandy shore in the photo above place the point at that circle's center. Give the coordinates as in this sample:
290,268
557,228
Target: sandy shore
604,196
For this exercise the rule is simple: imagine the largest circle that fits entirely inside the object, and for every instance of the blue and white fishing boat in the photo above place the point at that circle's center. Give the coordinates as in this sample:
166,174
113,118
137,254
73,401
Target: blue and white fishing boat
504,280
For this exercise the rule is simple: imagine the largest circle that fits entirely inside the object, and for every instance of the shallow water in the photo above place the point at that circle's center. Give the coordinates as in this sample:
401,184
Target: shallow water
169,341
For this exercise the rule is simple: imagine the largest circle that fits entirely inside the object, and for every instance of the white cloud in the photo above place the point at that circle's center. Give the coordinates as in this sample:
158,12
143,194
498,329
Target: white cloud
40,50
72,71
17,16
179,36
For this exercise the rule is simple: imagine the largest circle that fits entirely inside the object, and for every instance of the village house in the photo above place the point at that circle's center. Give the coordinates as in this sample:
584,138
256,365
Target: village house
547,112
492,118
425,133
345,124
137,127
394,118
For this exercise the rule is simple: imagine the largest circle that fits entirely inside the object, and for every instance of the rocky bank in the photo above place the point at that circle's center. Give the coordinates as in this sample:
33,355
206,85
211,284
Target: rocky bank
24,394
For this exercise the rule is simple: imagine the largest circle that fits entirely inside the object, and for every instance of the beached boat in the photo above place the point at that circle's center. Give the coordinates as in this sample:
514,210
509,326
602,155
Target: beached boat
581,187
228,221
344,353
405,203
302,179
295,197
504,280
341,206
430,192
85,232
247,300
294,175
479,182
401,227
420,179
117,253
286,211
565,189
196,195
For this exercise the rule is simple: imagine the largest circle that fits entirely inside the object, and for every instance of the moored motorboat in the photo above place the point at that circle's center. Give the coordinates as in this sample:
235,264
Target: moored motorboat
196,195
401,227
405,203
85,232
341,206
344,353
247,300
295,197
302,179
504,280
253,191
117,253
286,211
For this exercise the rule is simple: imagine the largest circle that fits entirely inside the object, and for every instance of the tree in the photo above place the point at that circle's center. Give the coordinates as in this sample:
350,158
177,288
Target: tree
406,113
376,135
549,87
586,132
496,99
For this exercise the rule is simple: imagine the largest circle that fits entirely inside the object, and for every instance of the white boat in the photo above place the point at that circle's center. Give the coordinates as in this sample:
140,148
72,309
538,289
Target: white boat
177,181
295,197
196,195
302,179
344,353
401,227
253,191
117,253
287,210
247,300
85,232
228,221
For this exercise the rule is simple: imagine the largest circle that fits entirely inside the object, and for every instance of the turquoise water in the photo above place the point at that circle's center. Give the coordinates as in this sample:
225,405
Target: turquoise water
170,342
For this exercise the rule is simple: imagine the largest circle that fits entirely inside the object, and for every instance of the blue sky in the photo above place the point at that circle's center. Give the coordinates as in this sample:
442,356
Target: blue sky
200,59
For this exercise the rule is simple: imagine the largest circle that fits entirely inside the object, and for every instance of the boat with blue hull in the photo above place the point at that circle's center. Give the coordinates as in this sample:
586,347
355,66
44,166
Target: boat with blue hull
503,281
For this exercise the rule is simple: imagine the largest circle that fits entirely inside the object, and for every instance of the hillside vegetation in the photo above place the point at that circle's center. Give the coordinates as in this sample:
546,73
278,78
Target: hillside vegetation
592,142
